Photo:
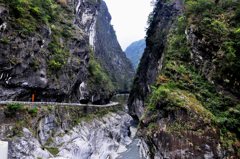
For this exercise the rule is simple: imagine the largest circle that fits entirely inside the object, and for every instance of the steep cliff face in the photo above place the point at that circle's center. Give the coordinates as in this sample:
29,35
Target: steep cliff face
46,50
151,61
186,91
135,51
109,52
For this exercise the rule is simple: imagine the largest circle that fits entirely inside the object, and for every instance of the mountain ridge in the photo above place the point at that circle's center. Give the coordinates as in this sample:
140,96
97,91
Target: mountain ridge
134,52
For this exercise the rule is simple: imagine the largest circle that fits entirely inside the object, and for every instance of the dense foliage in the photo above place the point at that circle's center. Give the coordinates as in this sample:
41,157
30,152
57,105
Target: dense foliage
99,78
216,22
29,13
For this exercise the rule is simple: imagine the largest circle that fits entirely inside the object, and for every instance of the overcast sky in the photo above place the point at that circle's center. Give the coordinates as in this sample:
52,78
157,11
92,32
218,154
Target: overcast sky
129,18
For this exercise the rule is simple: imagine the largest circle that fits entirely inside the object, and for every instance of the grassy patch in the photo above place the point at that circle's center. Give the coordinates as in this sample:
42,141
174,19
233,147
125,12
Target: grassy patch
33,111
174,97
4,40
54,151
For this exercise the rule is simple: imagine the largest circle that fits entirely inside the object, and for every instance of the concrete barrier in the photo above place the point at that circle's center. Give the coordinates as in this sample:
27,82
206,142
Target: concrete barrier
3,150
111,104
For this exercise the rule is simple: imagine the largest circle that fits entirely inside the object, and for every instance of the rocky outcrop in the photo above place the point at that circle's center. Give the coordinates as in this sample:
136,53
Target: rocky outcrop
100,138
134,52
180,134
45,50
209,54
66,132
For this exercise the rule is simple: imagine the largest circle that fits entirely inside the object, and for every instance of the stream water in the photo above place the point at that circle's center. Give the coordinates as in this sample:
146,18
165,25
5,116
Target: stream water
133,149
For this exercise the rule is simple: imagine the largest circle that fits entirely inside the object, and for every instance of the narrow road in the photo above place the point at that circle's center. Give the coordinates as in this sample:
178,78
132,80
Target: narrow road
111,104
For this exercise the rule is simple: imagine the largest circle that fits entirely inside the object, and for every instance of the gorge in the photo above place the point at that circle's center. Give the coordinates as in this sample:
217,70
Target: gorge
183,101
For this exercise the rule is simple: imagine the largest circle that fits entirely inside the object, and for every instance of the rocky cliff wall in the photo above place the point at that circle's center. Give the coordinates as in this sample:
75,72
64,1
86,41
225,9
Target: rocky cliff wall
151,62
109,52
48,49
184,94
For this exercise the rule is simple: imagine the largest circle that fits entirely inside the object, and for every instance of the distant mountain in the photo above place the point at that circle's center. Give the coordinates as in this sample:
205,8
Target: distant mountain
134,52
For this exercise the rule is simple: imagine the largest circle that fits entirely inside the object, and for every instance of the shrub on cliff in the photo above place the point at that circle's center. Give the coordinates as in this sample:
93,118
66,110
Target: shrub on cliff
12,109
30,14
98,77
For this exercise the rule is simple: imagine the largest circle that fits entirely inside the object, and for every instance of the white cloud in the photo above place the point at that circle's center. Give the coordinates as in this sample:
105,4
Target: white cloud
129,18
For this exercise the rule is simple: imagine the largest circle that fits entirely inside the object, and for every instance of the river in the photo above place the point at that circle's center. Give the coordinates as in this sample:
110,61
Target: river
133,149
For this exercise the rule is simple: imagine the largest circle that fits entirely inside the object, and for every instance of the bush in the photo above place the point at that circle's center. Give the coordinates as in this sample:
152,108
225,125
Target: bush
12,109
55,65
31,13
199,6
219,27
59,55
5,40
33,111
98,77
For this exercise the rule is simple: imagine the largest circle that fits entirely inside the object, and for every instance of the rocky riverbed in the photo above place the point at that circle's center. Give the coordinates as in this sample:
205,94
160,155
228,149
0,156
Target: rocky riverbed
99,139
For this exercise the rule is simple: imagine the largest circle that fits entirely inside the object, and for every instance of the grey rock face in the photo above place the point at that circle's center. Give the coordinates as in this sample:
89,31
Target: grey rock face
25,59
99,139
163,138
24,65
164,142
109,52
201,59
96,20
27,147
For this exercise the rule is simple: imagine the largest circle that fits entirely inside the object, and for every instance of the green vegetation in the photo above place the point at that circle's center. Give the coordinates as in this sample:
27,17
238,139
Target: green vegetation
4,40
216,22
54,151
12,109
15,107
198,6
30,13
98,77
33,111
58,54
